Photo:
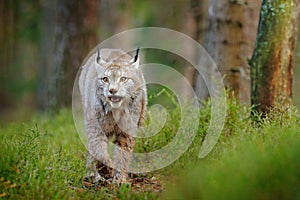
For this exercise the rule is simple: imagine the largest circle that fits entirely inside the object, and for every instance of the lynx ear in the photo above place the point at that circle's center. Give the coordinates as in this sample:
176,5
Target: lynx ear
99,60
135,61
100,63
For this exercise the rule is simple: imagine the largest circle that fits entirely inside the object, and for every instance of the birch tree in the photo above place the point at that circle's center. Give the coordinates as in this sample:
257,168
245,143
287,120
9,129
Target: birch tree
229,39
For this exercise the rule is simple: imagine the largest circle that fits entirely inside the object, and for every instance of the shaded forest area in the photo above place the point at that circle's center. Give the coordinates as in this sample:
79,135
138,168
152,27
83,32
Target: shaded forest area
43,43
254,44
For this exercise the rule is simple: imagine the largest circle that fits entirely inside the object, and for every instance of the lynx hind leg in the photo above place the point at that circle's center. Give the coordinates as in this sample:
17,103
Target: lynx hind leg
122,152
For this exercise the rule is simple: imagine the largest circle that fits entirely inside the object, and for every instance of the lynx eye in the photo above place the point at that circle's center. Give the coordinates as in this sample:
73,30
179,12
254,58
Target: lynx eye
123,79
105,80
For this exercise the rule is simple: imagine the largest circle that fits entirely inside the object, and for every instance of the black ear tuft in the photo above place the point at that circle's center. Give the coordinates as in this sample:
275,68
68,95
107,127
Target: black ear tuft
137,54
98,55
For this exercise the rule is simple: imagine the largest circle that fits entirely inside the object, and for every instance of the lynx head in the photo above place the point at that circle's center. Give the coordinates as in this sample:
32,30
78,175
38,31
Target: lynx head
119,76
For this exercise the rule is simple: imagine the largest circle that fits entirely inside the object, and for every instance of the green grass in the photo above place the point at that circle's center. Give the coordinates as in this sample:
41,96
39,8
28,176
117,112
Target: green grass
45,159
251,161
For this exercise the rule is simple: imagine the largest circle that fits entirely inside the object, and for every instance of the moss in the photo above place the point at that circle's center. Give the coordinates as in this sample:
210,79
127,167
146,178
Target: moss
269,61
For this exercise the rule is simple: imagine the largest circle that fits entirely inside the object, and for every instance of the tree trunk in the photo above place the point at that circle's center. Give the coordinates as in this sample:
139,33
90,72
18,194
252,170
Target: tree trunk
198,9
115,17
195,27
229,39
7,52
64,49
272,60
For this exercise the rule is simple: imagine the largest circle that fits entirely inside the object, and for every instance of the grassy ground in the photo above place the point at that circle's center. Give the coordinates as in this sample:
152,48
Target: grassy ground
45,159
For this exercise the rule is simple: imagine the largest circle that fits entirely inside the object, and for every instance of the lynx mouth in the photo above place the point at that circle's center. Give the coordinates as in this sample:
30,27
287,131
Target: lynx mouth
115,99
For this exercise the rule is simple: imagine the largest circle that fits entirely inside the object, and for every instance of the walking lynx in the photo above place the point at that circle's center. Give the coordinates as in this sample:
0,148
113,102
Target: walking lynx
114,99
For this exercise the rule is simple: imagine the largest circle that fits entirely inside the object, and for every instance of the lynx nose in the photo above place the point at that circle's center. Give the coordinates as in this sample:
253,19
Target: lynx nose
113,91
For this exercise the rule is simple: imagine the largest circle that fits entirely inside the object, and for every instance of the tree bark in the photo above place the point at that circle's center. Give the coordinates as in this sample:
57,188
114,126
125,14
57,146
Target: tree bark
229,39
7,52
64,49
115,17
195,27
198,9
272,60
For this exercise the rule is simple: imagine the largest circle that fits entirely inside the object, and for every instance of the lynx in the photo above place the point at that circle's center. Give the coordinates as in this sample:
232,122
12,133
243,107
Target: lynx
114,99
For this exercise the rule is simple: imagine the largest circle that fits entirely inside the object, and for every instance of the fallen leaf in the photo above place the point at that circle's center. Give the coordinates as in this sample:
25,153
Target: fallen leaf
16,169
87,184
80,190
3,195
13,185
7,182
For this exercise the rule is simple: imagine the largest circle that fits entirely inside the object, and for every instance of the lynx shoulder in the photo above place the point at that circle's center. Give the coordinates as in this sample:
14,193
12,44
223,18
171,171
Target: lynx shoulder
114,100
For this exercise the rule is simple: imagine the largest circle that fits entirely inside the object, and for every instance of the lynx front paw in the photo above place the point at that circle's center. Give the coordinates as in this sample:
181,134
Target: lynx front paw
120,179
92,178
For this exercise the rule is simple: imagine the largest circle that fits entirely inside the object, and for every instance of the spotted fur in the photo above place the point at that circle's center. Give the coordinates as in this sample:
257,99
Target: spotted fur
114,99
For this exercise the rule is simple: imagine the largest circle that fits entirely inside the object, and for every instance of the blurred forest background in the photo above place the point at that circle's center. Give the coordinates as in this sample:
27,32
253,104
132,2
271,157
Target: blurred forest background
43,43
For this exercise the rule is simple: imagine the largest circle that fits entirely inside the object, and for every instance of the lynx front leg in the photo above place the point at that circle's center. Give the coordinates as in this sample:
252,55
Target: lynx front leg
92,174
98,152
122,153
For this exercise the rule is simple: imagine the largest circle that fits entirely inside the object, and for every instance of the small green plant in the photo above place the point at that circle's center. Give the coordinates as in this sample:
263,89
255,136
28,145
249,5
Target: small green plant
45,159
250,161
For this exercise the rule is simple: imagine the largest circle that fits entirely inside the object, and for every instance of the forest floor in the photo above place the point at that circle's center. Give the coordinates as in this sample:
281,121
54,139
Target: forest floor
44,158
